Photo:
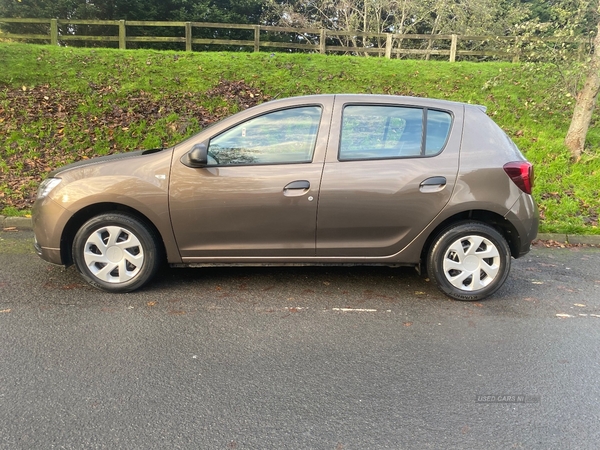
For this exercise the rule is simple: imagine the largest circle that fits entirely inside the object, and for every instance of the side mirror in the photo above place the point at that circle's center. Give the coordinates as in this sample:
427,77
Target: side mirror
197,156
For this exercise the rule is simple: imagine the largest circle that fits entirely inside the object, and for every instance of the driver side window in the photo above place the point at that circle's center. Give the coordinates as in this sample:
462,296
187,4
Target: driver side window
281,137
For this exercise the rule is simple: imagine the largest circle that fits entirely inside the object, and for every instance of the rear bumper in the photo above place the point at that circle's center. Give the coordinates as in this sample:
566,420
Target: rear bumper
525,218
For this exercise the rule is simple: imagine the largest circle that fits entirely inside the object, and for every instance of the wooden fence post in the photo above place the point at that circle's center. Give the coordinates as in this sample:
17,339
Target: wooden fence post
453,47
54,32
256,38
388,46
188,36
122,35
323,41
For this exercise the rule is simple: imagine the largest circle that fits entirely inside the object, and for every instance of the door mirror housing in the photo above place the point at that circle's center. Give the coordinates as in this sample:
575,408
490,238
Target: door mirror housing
197,156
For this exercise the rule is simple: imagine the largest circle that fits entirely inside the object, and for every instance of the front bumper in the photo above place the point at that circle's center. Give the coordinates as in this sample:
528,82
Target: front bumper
49,220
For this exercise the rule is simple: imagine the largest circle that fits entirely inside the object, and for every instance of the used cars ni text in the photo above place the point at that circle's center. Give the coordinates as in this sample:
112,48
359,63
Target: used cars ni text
325,179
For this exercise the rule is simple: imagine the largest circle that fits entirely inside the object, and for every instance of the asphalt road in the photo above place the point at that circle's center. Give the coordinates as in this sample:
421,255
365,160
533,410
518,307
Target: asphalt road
299,358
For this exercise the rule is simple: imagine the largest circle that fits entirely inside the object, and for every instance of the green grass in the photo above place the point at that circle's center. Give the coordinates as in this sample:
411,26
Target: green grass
102,100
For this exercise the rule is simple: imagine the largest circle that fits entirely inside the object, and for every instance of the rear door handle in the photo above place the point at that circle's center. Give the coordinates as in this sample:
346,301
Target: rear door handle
433,184
296,188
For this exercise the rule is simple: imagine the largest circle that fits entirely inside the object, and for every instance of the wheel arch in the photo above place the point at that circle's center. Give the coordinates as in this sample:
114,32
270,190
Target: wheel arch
83,215
495,220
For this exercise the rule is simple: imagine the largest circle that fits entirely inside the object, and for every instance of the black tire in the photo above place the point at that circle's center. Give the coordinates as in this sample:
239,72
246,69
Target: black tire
469,261
116,252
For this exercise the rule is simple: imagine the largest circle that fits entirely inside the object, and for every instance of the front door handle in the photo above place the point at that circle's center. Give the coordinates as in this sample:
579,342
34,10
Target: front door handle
433,184
296,188
301,184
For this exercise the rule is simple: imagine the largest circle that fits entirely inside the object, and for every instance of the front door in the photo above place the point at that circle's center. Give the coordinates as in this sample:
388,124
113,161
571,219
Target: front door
258,195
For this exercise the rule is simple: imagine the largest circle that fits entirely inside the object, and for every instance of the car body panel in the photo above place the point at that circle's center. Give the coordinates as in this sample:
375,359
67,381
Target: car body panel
49,220
484,185
139,181
524,216
375,208
244,210
227,211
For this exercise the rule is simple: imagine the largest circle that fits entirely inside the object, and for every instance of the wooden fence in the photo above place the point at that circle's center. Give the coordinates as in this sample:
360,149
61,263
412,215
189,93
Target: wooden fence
389,45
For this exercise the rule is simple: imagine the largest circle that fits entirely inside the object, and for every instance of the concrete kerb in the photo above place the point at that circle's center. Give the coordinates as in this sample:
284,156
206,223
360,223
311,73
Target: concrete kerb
20,223
574,239
24,223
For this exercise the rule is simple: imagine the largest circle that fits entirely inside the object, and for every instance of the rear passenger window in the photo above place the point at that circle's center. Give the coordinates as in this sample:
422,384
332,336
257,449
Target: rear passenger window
380,132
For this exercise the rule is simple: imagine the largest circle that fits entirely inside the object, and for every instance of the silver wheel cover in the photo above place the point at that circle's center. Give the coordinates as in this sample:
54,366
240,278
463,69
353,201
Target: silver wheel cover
113,254
471,263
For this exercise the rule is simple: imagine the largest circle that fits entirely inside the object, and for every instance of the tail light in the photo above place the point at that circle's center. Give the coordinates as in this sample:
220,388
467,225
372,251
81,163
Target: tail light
521,173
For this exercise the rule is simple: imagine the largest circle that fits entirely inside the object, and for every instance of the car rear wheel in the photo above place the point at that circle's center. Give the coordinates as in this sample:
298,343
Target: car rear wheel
116,252
469,261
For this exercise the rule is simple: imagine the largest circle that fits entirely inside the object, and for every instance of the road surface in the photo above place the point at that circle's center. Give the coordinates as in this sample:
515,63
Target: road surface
299,358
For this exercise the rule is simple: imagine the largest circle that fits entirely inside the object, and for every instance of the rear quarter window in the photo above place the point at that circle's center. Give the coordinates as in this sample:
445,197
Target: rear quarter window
438,130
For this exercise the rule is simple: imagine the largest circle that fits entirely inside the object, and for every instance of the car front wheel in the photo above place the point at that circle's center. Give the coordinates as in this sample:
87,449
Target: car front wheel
469,261
116,252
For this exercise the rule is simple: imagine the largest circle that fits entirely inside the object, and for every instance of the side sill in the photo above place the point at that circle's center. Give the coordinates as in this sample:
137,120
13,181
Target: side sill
285,264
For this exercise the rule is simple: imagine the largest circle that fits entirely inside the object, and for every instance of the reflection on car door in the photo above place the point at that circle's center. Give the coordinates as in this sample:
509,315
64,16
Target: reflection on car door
383,182
258,197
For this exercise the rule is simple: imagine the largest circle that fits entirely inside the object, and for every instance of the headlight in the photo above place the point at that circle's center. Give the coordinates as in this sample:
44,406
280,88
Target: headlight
46,186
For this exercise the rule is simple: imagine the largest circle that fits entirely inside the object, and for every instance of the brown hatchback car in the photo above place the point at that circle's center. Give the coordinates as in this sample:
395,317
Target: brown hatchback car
315,180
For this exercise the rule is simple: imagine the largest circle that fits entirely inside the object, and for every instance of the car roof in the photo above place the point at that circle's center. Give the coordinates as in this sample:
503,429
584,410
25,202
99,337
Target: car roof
400,99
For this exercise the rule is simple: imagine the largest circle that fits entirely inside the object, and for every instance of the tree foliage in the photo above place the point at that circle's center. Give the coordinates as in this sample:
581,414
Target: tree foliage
228,11
401,16
467,17
472,17
563,27
219,11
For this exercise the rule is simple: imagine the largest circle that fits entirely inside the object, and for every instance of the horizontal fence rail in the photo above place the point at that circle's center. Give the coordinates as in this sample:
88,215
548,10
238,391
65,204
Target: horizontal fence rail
389,45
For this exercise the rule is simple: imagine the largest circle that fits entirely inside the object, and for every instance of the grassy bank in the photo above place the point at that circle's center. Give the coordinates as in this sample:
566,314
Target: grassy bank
59,105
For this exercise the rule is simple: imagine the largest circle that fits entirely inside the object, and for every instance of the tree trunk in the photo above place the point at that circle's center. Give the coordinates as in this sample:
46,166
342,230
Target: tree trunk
584,107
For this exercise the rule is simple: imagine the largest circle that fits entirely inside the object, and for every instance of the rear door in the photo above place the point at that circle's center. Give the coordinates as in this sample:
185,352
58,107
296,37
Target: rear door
390,169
